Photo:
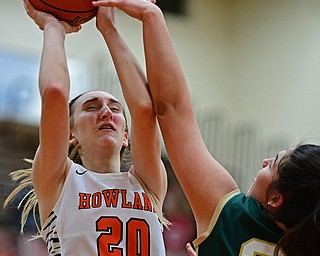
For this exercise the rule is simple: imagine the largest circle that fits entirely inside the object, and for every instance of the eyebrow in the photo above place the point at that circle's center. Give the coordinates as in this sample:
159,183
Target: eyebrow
90,100
275,159
95,99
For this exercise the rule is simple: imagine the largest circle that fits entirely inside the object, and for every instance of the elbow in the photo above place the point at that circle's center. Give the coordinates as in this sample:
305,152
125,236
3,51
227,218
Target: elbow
54,93
145,110
163,109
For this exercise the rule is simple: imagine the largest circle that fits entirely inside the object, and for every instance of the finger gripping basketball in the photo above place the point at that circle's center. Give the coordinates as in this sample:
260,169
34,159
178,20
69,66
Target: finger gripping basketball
75,12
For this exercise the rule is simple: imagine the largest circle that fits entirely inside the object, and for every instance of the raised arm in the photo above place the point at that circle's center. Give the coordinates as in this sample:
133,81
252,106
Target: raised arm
145,136
50,163
202,178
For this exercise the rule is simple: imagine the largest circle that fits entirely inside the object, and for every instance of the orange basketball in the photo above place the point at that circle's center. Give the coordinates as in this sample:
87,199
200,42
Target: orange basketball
75,12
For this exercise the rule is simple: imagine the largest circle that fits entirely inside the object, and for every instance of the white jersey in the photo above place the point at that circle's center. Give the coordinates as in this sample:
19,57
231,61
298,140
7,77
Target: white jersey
103,214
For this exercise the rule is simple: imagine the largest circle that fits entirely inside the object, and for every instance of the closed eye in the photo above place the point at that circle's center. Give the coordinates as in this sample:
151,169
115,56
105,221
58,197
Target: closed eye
92,107
114,109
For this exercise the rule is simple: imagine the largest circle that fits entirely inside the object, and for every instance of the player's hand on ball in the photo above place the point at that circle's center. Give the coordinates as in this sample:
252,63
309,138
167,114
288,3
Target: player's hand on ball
42,18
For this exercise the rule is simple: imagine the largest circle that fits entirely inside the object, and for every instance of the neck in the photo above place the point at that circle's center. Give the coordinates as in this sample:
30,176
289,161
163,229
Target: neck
101,163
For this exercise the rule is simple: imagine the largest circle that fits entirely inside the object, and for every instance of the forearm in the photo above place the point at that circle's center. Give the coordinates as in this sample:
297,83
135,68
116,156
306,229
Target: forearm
132,78
166,79
54,89
53,68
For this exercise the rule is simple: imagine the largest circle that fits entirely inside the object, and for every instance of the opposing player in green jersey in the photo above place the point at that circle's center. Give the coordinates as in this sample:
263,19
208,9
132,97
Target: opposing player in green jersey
282,202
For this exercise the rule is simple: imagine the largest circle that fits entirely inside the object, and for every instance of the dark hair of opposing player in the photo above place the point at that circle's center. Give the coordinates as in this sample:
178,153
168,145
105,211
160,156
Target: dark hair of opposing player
299,183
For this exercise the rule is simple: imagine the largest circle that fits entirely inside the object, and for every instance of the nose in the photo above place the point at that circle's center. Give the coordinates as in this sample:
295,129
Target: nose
106,113
266,162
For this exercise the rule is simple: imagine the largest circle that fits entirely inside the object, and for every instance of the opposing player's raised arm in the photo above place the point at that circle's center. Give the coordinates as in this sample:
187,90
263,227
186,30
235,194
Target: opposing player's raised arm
145,134
202,178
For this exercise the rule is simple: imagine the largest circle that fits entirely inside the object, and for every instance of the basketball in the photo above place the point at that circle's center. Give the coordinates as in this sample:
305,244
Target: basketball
75,12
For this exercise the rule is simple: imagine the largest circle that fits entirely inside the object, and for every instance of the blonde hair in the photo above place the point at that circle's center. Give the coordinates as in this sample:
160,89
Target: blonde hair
29,202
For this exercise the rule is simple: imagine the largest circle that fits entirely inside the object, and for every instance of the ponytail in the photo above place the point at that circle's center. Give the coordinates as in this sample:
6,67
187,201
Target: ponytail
29,202
303,239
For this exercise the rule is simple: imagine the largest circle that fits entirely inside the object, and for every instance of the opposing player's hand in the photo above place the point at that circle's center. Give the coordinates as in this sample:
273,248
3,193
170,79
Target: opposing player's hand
134,8
190,250
106,19
43,18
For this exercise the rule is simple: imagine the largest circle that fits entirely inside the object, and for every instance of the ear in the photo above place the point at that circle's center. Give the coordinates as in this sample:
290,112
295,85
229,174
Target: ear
72,140
275,199
125,142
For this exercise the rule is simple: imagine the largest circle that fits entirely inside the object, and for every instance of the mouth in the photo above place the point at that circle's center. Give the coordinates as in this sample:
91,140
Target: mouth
106,127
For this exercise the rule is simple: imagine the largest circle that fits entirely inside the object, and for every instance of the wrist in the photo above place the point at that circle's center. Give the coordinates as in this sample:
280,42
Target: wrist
151,13
55,26
108,31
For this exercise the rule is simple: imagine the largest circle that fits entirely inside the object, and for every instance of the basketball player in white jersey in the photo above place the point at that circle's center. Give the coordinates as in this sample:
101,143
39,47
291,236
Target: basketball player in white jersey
87,205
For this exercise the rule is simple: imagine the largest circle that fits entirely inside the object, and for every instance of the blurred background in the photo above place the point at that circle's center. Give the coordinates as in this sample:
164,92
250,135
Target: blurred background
253,72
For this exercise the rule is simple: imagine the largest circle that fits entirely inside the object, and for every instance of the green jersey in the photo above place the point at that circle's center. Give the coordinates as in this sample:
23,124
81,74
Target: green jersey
239,227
